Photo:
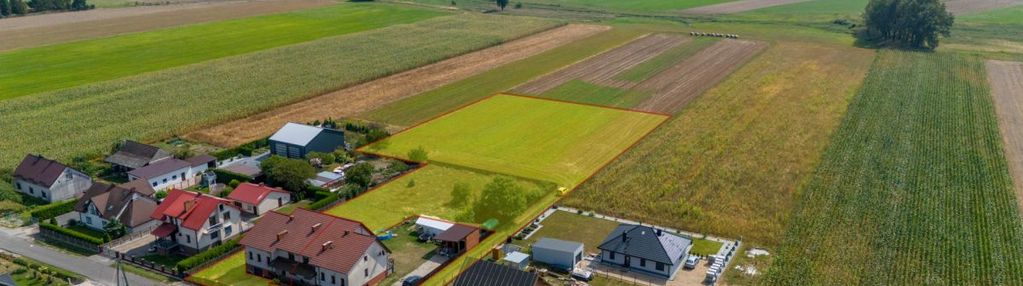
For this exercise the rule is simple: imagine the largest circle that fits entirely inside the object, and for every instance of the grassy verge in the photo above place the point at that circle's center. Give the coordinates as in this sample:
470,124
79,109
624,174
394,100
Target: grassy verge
914,178
419,108
229,271
53,67
147,274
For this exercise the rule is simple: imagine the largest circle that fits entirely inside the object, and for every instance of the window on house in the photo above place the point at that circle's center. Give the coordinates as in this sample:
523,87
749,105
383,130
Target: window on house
182,175
43,193
365,258
333,279
227,231
215,235
164,180
642,262
188,239
154,184
259,258
291,256
612,256
31,190
324,277
227,215
305,259
175,177
88,220
250,255
660,266
365,272
213,220
18,185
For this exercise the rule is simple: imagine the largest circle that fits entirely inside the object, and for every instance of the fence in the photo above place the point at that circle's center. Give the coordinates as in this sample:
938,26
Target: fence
54,236
168,271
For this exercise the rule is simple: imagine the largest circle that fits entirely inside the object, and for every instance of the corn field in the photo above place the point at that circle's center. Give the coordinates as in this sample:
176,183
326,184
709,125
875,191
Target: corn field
914,189
88,119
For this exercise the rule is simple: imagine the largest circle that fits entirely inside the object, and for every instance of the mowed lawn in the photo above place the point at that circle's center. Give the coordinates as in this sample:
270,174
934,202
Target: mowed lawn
527,137
46,68
430,194
229,271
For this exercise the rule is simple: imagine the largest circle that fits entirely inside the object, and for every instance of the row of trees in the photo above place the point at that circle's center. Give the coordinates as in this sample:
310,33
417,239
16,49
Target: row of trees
20,7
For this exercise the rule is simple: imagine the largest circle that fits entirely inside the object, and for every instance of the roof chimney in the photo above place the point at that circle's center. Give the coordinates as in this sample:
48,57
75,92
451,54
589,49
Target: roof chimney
328,245
345,234
281,234
625,236
315,227
291,217
657,231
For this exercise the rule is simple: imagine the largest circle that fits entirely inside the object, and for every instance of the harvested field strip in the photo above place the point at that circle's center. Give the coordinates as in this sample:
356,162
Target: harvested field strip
731,162
176,101
371,95
666,60
673,88
738,6
48,68
150,18
419,108
1006,80
603,68
584,92
915,178
960,7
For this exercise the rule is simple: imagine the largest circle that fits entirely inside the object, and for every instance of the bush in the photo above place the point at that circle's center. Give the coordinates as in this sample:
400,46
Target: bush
323,202
234,183
60,273
225,177
210,254
53,210
72,233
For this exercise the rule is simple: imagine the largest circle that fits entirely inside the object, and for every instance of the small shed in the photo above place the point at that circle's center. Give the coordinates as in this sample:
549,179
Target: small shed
558,253
517,259
432,226
459,238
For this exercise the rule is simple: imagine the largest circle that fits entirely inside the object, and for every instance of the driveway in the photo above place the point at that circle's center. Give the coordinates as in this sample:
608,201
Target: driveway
426,268
97,268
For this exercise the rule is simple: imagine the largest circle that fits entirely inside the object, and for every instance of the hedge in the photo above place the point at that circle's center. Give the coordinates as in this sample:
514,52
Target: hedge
323,202
72,233
244,149
53,210
224,176
209,255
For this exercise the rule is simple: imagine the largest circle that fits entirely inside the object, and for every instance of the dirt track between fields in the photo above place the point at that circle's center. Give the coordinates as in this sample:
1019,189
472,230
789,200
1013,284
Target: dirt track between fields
601,69
737,6
675,87
367,96
959,7
1006,80
22,32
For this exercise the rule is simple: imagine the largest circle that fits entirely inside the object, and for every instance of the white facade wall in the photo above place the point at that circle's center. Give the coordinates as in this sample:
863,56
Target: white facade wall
258,258
372,263
69,185
180,178
91,218
270,202
635,263
204,237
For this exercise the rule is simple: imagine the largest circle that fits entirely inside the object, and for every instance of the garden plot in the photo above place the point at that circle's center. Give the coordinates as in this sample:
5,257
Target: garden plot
738,6
603,68
371,95
559,142
1006,80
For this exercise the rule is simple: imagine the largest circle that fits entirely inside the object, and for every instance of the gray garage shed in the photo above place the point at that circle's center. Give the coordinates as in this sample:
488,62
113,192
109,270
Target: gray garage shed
558,253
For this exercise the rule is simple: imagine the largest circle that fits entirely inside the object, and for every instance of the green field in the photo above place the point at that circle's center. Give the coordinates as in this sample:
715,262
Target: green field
816,11
634,5
914,188
47,68
430,195
584,92
545,140
429,104
230,271
161,104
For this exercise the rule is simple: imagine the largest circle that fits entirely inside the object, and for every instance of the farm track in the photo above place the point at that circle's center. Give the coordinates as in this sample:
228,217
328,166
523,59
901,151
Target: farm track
376,93
959,7
23,32
1006,80
737,6
603,68
673,88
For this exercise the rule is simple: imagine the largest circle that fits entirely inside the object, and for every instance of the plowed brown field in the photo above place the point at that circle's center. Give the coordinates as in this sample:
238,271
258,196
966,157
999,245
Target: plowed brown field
373,94
1006,80
673,88
973,6
737,6
602,68
22,32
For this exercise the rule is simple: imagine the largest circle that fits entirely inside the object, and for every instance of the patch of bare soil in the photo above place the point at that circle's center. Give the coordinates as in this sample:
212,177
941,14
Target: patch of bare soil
370,95
602,68
959,7
737,6
673,88
29,31
1006,80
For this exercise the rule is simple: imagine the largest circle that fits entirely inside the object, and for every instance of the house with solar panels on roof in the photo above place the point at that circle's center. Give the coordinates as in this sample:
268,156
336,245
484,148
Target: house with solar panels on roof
645,249
49,180
296,140
311,248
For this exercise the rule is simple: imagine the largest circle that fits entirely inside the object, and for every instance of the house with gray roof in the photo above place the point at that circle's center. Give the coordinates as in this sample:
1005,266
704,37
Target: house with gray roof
645,249
131,155
173,172
104,203
49,180
296,140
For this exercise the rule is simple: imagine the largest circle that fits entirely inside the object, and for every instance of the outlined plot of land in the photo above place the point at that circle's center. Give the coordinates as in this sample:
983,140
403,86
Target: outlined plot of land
737,6
1006,80
373,94
960,7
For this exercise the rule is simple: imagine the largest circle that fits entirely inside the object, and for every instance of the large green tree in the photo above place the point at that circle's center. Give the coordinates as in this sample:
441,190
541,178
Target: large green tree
291,174
18,7
914,24
5,8
501,199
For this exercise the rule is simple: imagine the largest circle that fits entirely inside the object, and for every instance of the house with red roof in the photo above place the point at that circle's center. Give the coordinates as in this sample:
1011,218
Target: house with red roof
310,248
193,222
258,199
49,180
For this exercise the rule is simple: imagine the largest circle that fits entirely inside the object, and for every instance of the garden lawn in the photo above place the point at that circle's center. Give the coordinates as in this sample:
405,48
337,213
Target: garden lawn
229,271
562,225
46,68
407,252
527,137
430,195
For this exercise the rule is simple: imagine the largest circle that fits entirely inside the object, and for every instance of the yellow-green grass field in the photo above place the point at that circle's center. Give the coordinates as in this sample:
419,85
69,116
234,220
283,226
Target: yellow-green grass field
430,194
229,271
526,137
46,68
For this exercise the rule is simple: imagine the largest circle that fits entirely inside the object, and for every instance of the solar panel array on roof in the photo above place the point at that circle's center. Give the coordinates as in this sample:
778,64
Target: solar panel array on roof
493,274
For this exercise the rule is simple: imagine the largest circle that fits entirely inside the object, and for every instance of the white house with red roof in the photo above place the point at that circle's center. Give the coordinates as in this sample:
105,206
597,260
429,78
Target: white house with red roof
312,248
193,222
259,199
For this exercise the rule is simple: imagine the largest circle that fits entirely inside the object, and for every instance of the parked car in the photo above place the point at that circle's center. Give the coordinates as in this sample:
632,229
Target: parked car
411,280
691,262
583,275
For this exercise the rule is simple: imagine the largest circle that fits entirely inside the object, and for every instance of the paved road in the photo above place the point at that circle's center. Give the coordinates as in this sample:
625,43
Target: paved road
96,268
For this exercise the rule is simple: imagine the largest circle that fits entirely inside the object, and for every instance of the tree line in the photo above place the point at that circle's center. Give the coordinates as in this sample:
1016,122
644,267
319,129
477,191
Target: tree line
10,8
